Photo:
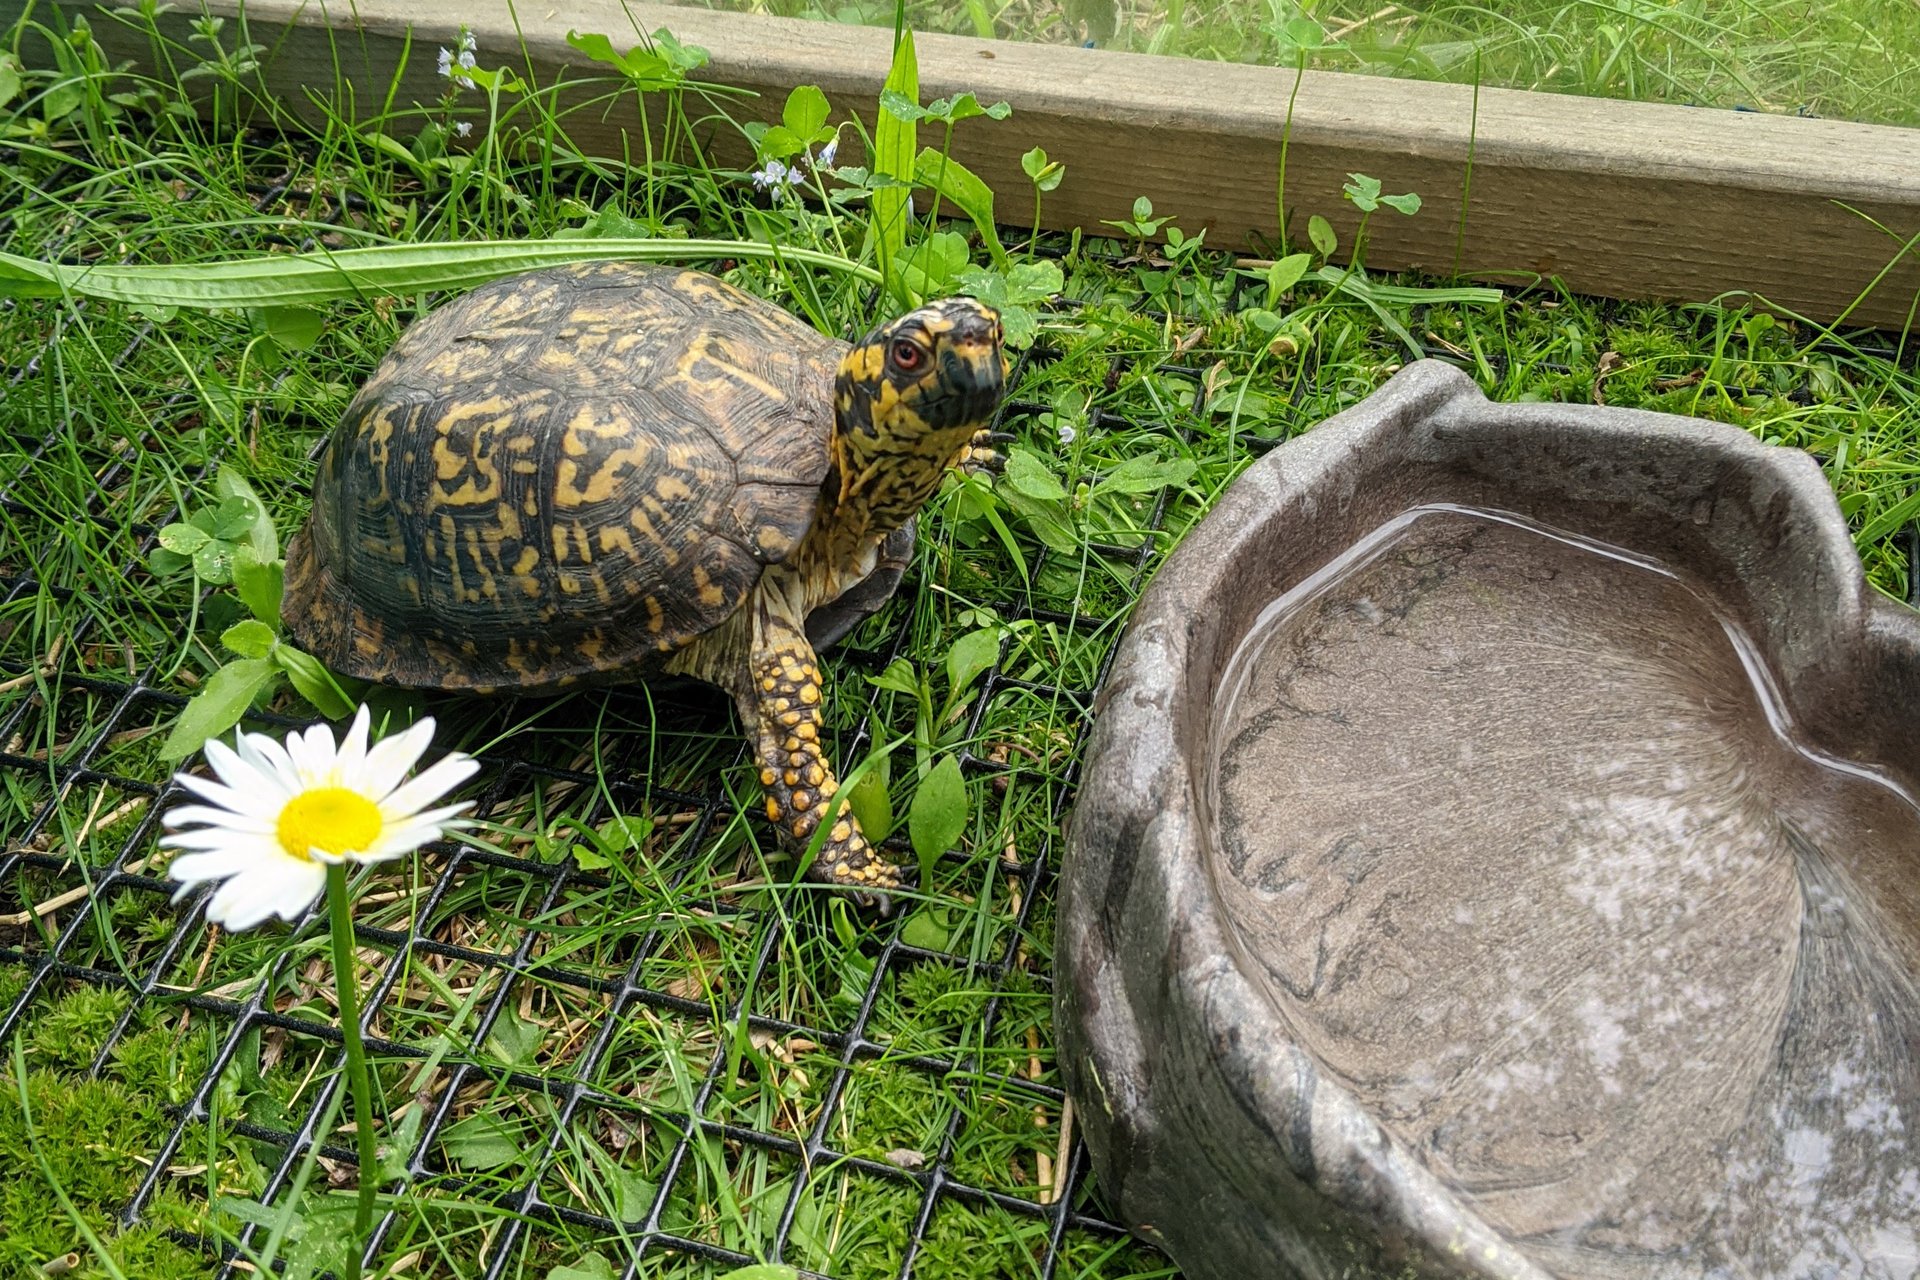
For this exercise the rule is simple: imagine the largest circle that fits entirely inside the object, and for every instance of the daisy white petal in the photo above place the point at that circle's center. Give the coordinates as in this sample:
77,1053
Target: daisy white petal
241,770
214,864
250,897
216,838
443,776
251,800
353,748
271,759
390,758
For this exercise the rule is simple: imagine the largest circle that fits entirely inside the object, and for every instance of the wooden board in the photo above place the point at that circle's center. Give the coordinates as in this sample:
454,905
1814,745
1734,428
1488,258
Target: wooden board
1624,200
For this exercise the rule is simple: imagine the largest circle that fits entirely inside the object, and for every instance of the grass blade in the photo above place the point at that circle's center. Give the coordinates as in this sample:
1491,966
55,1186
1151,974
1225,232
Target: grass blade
379,270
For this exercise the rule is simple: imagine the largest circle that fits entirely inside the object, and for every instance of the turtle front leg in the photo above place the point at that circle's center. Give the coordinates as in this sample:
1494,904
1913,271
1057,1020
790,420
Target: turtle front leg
979,455
783,708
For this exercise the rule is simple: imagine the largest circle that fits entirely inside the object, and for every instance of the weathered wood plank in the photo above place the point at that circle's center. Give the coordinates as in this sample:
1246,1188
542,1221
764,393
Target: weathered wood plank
1619,199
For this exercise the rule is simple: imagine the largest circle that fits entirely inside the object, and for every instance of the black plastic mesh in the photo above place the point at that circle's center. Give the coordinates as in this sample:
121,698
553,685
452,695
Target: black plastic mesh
694,1142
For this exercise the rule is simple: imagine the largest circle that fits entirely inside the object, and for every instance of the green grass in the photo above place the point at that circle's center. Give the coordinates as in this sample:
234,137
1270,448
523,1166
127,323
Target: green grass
1845,59
121,419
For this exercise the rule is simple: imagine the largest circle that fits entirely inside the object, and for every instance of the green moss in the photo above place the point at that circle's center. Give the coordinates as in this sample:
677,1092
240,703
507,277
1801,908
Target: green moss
90,1134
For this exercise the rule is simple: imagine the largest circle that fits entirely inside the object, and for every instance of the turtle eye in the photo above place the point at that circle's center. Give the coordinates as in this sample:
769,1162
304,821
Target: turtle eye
907,355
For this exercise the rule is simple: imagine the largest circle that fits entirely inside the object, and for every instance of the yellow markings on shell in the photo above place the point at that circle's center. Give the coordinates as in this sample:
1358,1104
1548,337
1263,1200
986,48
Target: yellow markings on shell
809,693
769,684
792,779
559,535
841,831
791,744
814,774
656,618
716,352
773,809
807,731
614,538
802,825
802,800
709,592
789,718
768,777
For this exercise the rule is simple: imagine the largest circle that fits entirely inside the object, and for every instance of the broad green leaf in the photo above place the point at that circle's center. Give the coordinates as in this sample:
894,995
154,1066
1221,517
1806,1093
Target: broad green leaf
895,143
165,563
971,654
623,833
218,706
928,929
806,112
292,328
931,266
1286,273
1028,475
898,676
184,539
234,518
261,536
481,1142
1408,204
1363,190
938,814
313,681
1145,475
1046,520
61,100
1320,232
964,107
308,279
9,78
513,1039
214,562
762,1271
972,196
1043,173
259,584
591,1266
901,107
250,639
872,806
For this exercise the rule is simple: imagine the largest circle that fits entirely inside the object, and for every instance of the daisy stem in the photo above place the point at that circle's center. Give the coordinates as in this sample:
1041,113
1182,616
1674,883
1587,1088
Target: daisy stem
341,913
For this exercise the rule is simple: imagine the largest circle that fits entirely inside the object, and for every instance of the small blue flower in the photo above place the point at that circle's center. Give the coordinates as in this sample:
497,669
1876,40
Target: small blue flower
775,176
829,151
467,59
462,129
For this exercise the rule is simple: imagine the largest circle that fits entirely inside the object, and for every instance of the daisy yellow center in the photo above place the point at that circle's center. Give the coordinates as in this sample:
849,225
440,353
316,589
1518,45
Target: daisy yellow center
334,820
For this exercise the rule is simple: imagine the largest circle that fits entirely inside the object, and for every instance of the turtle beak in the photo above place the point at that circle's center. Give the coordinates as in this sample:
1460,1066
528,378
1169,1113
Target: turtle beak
974,370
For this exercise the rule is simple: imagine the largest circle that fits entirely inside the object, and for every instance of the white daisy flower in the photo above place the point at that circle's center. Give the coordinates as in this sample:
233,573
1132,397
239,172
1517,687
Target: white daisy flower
279,815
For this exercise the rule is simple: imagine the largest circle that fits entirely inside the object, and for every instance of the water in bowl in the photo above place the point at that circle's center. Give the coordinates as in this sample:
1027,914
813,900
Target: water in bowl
1523,843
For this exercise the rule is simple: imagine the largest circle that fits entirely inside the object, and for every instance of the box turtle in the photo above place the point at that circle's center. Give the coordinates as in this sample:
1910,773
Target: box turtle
590,473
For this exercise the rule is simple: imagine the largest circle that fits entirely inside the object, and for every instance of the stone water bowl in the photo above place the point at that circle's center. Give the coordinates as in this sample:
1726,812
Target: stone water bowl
1497,855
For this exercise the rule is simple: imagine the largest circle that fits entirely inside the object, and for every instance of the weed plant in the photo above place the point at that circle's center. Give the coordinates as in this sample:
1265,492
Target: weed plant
613,1017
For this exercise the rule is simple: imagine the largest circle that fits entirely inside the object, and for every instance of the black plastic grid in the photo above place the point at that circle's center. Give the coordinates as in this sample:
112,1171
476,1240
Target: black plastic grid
136,700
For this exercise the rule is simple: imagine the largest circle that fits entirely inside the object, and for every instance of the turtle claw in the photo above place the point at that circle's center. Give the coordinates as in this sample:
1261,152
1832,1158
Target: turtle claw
980,456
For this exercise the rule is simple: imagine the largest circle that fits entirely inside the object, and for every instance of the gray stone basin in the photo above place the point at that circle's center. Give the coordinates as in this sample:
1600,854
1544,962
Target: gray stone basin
1497,855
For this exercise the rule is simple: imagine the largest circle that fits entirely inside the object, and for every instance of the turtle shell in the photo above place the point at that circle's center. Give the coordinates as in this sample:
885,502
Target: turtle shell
562,477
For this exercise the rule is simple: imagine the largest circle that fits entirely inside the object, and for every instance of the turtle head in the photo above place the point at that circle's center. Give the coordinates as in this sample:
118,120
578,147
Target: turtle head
909,397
